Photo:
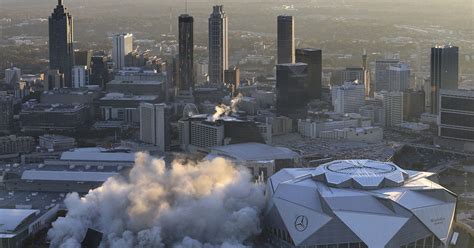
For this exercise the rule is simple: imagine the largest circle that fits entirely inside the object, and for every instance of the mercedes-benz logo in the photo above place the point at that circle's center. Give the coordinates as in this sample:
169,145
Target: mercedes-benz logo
301,223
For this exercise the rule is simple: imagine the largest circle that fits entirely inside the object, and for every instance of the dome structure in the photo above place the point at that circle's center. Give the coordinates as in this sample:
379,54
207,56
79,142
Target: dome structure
357,203
360,174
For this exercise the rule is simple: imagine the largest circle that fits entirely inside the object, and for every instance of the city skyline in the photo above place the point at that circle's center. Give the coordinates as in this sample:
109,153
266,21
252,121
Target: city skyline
194,124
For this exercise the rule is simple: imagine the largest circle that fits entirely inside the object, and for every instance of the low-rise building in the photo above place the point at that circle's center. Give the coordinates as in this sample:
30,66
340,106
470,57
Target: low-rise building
375,113
364,134
280,125
265,99
414,127
56,142
312,128
249,105
53,117
16,144
84,96
123,107
73,96
201,132
90,158
137,82
261,159
17,224
59,181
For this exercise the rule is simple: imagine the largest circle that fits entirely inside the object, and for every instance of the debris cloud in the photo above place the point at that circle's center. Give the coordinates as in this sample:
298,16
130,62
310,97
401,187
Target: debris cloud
224,110
209,204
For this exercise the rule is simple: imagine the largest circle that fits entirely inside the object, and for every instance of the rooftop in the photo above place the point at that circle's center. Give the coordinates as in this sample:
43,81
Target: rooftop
12,218
53,108
253,152
124,97
75,176
98,155
361,174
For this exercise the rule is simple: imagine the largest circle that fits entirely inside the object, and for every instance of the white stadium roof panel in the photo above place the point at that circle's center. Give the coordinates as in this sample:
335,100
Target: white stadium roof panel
98,156
380,231
76,176
362,174
254,152
437,219
302,221
10,219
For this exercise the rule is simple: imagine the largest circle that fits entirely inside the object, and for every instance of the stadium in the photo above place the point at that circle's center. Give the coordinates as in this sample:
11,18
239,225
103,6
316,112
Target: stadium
331,206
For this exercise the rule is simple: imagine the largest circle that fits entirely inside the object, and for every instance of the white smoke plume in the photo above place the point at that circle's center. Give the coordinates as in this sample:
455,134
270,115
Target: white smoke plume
210,204
224,110
221,110
235,102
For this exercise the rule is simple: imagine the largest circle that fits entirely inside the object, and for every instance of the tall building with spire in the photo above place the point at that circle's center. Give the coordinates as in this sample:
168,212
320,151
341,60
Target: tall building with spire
286,39
186,51
218,45
61,51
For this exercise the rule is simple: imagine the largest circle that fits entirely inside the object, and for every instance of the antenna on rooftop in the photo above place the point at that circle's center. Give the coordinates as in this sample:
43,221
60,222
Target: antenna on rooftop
185,6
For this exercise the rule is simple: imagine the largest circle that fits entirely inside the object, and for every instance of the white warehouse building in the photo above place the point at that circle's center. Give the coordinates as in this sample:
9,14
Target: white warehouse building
357,203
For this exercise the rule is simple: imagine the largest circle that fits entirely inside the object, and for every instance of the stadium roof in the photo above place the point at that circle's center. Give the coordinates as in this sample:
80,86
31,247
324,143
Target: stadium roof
361,174
10,219
97,155
75,176
253,152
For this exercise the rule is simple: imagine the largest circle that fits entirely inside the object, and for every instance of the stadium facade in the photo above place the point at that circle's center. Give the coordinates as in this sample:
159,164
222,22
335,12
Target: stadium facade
355,204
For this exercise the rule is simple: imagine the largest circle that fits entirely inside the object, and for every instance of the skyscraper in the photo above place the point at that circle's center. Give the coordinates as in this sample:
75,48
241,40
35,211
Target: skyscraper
154,125
291,95
12,76
218,45
444,72
99,71
82,57
122,45
353,74
399,77
413,104
313,58
80,76
232,76
348,98
369,88
286,39
6,112
54,80
61,51
456,116
393,105
381,73
186,51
